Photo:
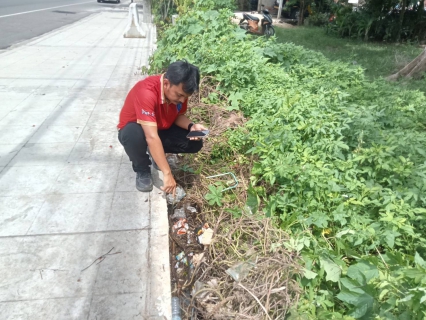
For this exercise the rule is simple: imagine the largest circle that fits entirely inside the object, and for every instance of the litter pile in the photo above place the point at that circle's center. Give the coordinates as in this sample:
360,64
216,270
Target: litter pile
225,264
231,267
189,239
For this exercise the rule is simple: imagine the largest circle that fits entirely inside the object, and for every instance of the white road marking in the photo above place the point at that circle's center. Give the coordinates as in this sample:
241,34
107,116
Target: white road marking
67,5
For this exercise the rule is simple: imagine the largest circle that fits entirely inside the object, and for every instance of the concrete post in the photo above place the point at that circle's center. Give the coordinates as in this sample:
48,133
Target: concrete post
147,13
174,17
134,29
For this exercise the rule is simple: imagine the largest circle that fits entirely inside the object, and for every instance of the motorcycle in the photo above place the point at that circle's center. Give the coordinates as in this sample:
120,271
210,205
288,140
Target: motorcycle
251,24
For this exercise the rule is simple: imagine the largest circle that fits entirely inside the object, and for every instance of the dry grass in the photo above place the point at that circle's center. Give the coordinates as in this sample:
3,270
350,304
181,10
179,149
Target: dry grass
206,290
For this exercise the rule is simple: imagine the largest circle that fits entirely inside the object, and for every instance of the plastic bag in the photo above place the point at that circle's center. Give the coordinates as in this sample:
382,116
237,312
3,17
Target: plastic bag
180,194
179,214
241,269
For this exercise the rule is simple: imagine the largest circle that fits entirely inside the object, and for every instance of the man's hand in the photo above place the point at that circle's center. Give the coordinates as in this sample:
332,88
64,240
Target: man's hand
169,184
197,127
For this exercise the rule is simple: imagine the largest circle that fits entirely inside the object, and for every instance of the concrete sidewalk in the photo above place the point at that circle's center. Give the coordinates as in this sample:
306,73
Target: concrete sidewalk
67,189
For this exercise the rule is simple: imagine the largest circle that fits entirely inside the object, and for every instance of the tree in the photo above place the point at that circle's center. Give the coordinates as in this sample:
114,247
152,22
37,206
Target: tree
162,8
413,69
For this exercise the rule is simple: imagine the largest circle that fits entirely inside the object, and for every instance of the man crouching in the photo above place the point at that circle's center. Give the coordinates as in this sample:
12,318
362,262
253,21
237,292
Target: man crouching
153,119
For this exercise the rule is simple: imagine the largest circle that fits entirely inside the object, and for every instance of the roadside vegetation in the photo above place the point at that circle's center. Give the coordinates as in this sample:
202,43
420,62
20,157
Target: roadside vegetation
334,162
377,59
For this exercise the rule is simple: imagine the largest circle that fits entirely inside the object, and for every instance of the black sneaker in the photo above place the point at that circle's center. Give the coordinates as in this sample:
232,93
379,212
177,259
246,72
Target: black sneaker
144,181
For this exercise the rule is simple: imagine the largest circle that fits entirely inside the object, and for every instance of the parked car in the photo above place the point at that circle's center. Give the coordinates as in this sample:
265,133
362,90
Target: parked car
115,1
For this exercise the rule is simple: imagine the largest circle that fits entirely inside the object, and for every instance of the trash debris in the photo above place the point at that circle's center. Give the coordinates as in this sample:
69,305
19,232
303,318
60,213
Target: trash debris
198,258
189,238
191,209
180,227
198,286
240,270
205,234
176,308
179,214
206,237
181,258
247,210
180,194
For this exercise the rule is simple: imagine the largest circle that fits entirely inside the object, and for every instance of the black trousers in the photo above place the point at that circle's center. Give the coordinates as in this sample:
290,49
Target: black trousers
174,140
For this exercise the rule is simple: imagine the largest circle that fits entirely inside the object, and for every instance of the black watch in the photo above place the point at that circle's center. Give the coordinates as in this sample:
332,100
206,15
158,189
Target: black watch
190,126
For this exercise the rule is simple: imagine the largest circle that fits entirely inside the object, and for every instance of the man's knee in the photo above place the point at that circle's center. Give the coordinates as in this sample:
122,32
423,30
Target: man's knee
195,146
132,133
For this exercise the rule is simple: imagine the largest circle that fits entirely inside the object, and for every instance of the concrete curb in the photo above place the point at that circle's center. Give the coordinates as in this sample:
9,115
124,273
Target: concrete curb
159,298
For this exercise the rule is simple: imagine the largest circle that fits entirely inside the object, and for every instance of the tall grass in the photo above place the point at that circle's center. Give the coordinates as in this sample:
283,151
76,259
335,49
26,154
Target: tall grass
377,59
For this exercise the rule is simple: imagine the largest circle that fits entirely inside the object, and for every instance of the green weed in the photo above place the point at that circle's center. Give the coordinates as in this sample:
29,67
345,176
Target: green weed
340,163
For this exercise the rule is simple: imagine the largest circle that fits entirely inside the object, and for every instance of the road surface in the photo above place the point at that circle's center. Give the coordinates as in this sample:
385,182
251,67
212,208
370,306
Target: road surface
22,20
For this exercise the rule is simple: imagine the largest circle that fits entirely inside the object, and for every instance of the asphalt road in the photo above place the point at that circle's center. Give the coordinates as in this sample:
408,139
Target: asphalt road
22,20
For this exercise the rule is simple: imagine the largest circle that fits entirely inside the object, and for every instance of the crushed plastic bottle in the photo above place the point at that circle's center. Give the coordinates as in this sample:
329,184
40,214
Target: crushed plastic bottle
180,194
176,309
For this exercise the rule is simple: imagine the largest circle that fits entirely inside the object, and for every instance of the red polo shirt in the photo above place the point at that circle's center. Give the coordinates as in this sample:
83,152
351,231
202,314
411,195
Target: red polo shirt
146,105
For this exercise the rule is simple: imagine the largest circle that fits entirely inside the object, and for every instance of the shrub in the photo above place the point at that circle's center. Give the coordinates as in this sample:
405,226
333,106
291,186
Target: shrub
341,164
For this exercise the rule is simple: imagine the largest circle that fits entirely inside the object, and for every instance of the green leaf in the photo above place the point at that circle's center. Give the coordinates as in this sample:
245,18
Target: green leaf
351,285
214,196
252,199
419,275
419,260
364,303
195,29
363,272
308,274
344,232
233,99
332,270
354,295
348,296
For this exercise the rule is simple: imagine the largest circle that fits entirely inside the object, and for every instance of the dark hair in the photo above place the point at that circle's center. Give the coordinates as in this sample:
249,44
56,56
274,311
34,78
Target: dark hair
185,73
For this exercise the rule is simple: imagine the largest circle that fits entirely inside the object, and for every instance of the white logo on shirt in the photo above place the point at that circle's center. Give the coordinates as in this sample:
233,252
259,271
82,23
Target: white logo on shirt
151,114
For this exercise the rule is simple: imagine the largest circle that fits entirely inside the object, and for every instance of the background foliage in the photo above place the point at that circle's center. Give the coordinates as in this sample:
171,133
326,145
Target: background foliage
340,163
383,20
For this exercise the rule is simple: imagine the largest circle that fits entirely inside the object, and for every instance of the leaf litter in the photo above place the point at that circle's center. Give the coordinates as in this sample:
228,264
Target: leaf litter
246,272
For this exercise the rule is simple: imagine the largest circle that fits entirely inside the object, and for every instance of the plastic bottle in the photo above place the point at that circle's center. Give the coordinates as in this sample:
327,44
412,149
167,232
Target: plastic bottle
176,308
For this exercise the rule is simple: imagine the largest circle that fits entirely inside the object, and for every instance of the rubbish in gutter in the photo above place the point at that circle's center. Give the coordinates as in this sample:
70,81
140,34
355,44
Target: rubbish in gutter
179,214
205,234
180,226
180,194
176,308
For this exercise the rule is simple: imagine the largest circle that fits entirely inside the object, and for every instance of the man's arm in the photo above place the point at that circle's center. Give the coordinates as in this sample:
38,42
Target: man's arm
182,121
157,152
